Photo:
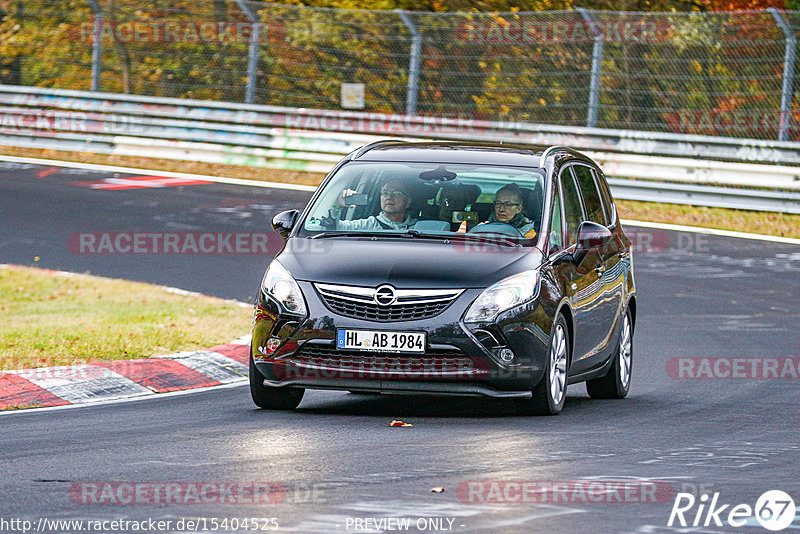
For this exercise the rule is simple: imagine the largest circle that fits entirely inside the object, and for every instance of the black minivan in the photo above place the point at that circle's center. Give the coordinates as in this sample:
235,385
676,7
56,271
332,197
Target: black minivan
449,269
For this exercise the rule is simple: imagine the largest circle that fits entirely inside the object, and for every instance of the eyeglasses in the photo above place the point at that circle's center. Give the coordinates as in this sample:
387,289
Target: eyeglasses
393,194
506,204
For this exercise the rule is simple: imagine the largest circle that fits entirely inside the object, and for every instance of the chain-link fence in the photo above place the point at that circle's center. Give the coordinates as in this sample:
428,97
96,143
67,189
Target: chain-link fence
729,74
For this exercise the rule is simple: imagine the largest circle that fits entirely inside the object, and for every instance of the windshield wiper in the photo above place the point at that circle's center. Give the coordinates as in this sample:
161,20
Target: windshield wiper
346,233
369,233
496,239
418,234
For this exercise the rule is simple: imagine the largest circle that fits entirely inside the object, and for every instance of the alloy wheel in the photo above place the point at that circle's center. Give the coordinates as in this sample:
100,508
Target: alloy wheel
558,364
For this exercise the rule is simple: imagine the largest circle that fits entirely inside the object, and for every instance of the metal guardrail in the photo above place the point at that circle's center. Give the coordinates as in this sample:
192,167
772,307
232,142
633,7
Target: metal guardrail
314,140
703,195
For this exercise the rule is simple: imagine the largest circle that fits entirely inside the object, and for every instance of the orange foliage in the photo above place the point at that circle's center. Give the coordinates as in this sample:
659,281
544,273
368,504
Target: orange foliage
741,5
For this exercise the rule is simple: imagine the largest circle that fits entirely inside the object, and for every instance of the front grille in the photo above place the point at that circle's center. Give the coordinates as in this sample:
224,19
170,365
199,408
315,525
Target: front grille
403,312
433,362
411,305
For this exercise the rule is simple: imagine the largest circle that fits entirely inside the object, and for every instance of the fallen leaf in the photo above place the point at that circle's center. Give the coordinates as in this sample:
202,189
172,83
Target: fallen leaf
395,422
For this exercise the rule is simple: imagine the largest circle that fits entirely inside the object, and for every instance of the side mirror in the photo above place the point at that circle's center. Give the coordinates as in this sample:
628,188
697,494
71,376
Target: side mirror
592,235
284,222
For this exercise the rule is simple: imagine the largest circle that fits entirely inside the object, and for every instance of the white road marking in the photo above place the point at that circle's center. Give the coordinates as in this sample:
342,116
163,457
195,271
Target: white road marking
712,231
130,170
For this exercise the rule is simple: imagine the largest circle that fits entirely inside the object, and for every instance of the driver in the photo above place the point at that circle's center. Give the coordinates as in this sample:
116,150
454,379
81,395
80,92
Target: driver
395,200
508,209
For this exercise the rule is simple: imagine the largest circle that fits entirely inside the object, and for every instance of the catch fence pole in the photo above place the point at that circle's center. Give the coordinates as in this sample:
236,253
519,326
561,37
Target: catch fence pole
413,62
597,64
788,74
252,55
97,44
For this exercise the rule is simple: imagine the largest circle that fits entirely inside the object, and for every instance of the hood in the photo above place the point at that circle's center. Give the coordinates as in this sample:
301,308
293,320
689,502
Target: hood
404,262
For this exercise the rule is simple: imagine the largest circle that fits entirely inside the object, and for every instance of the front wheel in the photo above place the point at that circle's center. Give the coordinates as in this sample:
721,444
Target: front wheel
617,382
272,398
551,391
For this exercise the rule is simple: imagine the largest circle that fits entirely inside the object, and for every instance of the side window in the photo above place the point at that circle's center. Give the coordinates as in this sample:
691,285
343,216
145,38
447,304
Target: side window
606,195
556,228
573,214
591,197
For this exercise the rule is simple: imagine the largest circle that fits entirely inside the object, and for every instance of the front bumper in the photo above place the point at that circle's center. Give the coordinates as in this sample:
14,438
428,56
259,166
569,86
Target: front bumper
459,359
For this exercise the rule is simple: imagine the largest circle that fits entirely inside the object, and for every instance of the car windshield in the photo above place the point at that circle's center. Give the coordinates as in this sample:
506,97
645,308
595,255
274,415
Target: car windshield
437,199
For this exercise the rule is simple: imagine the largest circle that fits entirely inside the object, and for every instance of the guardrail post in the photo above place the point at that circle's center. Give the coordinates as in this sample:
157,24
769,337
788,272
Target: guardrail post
597,64
97,44
252,54
788,74
413,62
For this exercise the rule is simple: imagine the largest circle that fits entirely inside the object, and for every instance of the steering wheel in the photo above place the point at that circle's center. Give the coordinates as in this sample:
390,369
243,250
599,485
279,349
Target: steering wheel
496,228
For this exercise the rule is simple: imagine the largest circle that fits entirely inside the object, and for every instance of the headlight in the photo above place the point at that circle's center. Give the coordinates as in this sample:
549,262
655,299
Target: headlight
502,296
280,285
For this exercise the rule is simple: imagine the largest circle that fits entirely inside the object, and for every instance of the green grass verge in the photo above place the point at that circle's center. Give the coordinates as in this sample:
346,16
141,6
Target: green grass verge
754,222
55,319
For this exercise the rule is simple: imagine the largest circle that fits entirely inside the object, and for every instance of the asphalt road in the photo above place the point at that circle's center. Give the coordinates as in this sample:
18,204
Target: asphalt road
335,462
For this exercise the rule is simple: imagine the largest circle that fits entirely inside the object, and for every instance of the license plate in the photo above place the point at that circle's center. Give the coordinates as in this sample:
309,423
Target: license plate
381,341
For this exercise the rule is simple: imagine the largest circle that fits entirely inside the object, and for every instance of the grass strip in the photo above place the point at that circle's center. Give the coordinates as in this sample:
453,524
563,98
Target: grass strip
53,318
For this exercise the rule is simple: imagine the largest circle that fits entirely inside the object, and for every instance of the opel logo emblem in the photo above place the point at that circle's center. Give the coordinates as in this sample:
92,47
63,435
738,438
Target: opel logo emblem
384,295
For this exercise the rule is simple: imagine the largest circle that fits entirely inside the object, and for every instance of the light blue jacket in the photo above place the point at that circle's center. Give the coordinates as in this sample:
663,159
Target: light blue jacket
381,222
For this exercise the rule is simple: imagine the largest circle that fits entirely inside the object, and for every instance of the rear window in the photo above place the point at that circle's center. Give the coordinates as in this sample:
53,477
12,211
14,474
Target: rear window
590,194
430,198
573,213
608,202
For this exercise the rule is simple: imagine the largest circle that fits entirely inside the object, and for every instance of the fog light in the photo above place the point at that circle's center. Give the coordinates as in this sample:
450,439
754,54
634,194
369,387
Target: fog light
507,355
272,344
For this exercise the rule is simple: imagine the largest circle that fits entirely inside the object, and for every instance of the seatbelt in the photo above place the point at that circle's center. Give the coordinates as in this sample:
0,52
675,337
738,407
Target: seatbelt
384,225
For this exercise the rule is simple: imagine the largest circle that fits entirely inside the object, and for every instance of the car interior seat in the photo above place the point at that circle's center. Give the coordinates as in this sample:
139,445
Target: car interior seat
532,200
431,211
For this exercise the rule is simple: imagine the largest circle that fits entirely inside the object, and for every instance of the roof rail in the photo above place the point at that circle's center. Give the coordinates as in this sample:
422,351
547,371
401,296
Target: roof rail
548,150
369,146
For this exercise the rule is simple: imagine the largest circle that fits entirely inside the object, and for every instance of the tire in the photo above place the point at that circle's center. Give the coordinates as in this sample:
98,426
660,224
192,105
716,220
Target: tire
551,391
268,398
617,382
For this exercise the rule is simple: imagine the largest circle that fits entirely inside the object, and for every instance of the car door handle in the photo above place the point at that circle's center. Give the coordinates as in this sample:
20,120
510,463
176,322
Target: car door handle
600,269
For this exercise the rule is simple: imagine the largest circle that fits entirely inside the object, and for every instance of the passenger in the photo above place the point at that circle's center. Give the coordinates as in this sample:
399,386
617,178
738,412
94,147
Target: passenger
395,200
508,209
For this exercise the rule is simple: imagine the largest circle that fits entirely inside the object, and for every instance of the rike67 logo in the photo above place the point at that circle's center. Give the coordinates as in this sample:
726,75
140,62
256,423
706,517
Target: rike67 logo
774,510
